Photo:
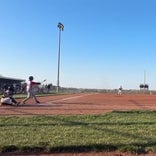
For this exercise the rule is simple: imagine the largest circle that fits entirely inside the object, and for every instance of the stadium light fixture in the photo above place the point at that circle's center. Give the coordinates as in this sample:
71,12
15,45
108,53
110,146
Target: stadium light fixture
61,28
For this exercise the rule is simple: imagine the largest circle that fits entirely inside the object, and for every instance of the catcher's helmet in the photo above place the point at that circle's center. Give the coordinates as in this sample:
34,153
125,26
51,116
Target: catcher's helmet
31,78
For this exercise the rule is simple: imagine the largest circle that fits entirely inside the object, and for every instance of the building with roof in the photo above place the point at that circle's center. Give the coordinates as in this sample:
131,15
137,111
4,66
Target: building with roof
8,81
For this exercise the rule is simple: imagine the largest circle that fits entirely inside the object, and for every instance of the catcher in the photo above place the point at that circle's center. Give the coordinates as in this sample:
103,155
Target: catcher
7,98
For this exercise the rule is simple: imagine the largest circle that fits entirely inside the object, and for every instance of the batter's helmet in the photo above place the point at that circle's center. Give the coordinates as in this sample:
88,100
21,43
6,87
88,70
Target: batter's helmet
31,78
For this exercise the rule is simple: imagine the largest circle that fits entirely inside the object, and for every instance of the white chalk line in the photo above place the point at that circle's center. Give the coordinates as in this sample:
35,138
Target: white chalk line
69,98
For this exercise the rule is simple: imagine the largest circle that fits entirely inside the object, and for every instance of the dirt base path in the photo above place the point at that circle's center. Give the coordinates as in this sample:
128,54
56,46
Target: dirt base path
93,103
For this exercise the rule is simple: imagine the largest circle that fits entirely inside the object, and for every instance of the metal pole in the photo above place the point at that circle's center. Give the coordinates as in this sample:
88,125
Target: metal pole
58,72
144,77
61,28
144,80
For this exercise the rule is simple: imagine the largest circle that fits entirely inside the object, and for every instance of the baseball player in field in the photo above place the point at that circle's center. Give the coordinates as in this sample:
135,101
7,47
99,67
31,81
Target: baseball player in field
7,97
120,90
30,90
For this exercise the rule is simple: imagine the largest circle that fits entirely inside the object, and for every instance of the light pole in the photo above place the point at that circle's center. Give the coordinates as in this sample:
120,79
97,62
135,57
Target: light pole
61,28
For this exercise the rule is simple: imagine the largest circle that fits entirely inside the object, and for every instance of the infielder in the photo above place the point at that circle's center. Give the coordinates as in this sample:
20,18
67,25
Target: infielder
120,90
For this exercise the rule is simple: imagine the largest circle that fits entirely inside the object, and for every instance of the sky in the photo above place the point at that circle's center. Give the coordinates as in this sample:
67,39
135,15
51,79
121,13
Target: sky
105,43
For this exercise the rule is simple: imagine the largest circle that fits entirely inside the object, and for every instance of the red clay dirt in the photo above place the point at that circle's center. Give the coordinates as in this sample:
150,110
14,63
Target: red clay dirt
90,103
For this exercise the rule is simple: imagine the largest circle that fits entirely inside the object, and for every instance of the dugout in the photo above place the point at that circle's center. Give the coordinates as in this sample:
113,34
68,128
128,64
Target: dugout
7,81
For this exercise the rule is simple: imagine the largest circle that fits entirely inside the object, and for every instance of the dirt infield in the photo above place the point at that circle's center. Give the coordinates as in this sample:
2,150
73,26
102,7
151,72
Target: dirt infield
91,103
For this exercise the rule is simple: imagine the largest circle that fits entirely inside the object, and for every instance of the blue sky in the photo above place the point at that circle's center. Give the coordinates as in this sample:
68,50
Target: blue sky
105,43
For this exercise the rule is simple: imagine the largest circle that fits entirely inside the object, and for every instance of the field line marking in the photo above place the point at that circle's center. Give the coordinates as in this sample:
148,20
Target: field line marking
70,98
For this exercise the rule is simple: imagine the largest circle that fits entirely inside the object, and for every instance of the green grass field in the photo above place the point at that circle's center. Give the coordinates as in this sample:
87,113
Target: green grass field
133,131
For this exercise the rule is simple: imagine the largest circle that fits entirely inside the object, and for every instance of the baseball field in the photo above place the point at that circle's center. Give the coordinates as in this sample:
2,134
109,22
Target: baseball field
91,103
81,124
